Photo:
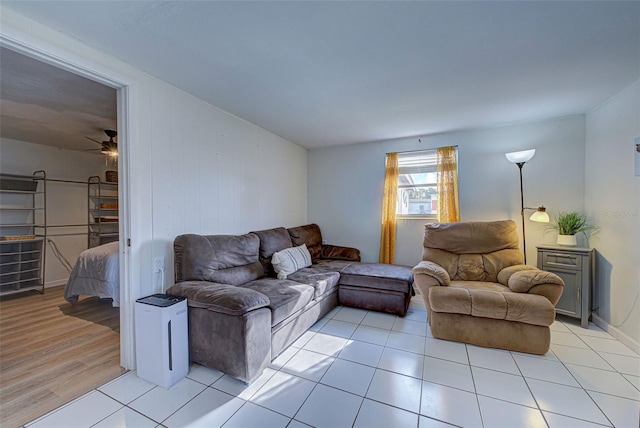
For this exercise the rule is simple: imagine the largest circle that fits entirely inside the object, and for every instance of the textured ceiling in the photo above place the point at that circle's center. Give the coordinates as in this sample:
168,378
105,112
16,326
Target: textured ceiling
43,104
331,72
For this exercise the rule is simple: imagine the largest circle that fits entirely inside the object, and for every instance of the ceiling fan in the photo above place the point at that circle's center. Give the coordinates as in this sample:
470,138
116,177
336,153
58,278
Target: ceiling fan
109,148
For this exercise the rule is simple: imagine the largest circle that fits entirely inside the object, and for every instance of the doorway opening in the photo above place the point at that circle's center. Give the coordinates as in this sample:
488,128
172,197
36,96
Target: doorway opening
91,317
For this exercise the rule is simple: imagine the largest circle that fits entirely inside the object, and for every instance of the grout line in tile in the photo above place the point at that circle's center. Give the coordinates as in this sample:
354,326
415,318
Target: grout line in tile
179,408
615,353
610,395
124,407
584,420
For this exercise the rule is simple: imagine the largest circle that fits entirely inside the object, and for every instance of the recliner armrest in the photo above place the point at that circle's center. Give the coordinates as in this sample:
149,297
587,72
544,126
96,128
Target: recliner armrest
521,278
222,298
506,273
524,281
433,270
531,280
336,252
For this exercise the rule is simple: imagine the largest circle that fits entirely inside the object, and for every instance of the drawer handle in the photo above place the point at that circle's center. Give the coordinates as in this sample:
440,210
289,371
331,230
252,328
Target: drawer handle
564,256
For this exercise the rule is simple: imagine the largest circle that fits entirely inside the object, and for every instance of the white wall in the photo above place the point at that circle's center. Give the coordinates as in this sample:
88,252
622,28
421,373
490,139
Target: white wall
612,198
66,202
345,183
190,167
216,174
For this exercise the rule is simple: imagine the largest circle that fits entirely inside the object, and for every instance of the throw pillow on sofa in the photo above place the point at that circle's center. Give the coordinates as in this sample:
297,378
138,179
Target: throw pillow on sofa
290,260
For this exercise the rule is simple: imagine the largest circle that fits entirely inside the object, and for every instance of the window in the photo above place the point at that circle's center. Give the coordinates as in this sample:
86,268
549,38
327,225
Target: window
417,184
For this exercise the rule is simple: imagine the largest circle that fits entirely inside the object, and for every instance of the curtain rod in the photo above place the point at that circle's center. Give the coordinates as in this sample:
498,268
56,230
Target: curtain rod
422,150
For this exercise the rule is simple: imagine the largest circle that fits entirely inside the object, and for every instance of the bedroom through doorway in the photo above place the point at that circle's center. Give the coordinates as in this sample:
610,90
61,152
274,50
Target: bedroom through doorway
53,349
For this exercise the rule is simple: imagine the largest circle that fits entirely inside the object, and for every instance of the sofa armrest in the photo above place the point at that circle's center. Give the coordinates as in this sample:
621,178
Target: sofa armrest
336,252
432,270
222,298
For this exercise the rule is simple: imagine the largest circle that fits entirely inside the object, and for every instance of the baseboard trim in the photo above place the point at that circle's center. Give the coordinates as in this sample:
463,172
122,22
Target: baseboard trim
616,332
55,283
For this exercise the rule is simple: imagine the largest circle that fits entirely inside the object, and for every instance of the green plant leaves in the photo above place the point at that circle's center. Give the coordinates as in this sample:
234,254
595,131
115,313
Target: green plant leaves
570,223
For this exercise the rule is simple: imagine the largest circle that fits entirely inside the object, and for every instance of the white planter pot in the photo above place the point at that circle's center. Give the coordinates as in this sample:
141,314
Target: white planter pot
568,240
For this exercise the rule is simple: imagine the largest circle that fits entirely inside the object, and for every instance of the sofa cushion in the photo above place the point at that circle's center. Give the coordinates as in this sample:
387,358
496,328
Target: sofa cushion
285,297
524,308
271,241
310,235
376,275
330,265
322,282
223,298
205,257
290,260
480,285
337,252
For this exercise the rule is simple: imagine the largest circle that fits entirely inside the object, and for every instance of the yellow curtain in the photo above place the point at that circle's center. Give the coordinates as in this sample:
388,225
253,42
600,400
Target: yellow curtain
389,203
448,205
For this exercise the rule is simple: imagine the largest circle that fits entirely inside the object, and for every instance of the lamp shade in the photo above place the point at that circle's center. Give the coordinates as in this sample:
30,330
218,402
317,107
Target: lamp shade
540,215
521,156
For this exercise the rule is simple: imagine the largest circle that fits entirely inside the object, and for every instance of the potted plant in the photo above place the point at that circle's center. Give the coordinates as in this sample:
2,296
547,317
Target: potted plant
568,224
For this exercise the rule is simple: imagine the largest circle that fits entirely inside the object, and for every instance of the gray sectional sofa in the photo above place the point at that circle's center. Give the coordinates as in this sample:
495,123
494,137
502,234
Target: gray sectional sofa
241,315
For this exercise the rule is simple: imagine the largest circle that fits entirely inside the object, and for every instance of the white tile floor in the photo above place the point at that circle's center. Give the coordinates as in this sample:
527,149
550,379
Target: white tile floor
357,368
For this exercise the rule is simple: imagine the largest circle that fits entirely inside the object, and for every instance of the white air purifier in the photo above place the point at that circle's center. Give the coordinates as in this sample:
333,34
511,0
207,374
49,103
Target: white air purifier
162,341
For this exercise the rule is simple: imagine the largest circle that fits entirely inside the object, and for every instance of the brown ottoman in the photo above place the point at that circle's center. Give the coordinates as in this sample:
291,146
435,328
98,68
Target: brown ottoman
376,286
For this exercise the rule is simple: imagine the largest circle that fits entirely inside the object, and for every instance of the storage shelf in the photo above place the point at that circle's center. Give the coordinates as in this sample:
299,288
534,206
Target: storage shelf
14,241
21,271
104,234
102,193
22,289
109,198
22,260
105,211
20,192
21,209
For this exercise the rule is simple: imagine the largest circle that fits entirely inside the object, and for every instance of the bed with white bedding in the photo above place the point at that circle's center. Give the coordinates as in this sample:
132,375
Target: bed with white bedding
96,273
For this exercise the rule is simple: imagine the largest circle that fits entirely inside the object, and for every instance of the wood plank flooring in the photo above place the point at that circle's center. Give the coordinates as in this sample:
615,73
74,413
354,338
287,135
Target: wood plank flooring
52,352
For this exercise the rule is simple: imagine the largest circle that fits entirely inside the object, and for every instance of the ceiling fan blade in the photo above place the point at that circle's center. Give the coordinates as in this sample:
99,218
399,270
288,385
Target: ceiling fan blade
93,140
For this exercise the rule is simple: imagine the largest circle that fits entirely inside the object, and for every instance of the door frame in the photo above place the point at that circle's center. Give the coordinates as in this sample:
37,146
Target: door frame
127,113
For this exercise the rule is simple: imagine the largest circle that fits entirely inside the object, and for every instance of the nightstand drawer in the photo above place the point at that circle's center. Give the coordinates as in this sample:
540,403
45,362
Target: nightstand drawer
562,260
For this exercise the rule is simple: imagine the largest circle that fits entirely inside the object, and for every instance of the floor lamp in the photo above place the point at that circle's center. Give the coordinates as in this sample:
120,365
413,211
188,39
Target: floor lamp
540,215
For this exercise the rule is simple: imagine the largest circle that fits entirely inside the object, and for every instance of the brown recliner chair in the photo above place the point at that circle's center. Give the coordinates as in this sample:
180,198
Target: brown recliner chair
477,289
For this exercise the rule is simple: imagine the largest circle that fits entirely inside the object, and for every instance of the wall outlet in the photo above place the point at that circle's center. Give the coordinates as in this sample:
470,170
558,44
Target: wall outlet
159,264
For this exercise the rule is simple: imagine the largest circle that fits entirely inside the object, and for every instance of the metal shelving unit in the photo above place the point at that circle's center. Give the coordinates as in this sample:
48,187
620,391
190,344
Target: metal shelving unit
102,212
23,232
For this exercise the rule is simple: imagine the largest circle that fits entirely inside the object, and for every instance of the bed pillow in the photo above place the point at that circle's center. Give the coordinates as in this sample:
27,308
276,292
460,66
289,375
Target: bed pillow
289,260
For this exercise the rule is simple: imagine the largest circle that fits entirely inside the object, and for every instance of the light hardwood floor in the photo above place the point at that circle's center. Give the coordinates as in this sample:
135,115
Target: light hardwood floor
52,352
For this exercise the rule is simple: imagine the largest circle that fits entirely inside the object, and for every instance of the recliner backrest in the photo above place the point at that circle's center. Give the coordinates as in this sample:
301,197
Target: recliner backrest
472,251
